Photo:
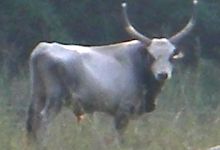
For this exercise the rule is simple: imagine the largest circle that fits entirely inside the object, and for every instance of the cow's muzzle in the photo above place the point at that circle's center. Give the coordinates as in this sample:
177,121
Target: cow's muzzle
162,76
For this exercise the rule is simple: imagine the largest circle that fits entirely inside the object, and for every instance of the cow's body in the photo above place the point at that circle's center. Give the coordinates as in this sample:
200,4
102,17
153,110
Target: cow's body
114,79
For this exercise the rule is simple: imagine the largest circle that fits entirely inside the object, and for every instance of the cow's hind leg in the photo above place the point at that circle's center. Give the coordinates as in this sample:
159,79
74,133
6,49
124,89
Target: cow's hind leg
55,91
53,105
77,107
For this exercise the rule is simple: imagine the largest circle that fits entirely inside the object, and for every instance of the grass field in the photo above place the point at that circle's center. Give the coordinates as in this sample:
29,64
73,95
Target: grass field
187,118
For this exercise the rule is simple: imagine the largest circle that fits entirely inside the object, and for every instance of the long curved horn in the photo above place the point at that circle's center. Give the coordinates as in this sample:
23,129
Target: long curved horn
130,29
186,30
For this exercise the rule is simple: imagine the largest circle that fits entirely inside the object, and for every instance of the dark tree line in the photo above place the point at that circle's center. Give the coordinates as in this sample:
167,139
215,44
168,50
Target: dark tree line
24,23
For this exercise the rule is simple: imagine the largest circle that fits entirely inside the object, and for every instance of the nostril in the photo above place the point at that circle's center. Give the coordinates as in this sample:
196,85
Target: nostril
162,76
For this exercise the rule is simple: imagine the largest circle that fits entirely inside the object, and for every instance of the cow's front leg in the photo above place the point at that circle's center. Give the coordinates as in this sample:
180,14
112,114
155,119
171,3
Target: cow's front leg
121,121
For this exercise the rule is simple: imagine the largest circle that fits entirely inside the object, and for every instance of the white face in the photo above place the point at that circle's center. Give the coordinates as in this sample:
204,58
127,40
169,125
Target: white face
162,50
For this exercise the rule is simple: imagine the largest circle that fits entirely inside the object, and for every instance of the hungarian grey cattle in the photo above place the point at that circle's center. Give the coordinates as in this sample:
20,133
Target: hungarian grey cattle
120,79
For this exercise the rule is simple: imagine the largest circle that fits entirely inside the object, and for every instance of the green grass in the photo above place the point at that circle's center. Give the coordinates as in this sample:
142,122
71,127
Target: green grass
187,118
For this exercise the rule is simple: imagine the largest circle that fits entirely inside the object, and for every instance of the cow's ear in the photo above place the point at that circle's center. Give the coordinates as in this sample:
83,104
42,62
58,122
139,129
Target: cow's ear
176,55
179,55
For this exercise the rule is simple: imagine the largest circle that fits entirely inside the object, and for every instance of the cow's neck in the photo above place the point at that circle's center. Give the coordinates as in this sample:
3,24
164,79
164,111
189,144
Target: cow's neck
149,86
141,65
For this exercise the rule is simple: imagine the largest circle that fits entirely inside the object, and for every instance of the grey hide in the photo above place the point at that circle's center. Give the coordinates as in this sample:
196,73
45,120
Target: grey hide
121,79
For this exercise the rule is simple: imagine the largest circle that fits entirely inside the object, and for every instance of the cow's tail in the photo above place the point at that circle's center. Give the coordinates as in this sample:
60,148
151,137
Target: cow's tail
37,92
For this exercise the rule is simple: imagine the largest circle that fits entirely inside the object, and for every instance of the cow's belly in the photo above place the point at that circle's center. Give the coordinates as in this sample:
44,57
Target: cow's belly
105,90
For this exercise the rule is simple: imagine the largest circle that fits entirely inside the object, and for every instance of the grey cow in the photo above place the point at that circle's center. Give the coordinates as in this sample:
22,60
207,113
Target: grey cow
121,79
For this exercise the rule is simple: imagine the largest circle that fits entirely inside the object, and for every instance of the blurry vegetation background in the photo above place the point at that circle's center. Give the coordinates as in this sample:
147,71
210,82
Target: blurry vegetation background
24,23
188,113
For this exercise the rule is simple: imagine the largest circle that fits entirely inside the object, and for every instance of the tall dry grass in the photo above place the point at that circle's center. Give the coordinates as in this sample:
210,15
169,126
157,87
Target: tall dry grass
187,118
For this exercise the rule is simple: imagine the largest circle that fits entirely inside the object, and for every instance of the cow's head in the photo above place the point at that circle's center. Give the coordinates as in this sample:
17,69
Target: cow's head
162,50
